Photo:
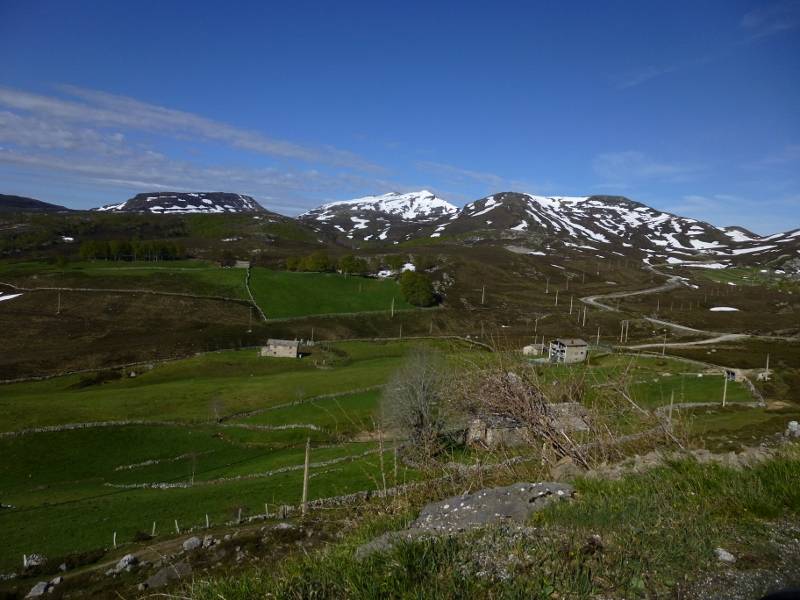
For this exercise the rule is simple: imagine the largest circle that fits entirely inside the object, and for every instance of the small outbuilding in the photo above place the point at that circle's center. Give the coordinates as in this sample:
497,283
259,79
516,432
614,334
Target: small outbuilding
568,350
281,348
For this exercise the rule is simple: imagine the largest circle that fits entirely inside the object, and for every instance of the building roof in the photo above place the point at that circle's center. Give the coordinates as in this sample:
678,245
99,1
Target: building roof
571,342
287,343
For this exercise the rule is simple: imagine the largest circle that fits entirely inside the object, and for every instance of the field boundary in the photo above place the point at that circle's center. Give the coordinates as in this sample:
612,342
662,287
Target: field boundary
126,291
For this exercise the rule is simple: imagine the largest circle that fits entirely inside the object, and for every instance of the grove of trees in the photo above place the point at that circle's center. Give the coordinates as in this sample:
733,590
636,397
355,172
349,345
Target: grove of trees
131,250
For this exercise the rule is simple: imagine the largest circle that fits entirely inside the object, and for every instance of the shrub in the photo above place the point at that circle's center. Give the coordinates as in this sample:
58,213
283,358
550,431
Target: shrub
417,288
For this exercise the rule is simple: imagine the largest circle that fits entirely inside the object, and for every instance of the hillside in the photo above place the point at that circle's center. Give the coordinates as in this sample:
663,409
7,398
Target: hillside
186,202
11,203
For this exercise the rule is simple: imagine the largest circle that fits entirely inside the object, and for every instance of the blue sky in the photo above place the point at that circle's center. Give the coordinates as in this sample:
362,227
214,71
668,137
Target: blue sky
691,107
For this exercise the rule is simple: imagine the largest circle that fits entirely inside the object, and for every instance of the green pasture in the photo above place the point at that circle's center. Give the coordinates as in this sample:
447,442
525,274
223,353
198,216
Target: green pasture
283,294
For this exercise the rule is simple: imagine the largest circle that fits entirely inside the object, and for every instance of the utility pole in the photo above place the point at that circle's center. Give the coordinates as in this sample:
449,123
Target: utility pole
547,286
621,330
597,341
570,304
483,295
664,344
556,304
584,317
58,309
535,327
250,321
766,370
392,309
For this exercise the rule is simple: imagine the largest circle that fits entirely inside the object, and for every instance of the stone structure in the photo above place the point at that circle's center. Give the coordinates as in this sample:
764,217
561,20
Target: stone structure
281,348
568,350
494,430
533,349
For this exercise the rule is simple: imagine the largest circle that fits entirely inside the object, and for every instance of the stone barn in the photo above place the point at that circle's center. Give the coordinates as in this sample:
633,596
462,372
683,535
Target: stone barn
281,349
568,350
495,430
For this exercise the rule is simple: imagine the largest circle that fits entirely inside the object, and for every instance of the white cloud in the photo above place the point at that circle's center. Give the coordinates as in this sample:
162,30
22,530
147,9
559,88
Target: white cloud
102,110
620,169
772,18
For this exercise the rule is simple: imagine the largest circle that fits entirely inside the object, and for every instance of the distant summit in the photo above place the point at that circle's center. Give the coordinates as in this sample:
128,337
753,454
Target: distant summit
10,203
388,216
186,202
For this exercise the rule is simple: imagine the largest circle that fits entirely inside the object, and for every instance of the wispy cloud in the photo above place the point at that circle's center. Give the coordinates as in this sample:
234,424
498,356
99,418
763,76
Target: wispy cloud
490,181
621,169
640,76
771,18
114,142
789,155
102,110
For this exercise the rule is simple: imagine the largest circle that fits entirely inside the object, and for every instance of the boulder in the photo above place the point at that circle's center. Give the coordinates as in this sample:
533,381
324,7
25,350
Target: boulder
167,575
724,556
193,543
34,560
40,589
510,504
209,541
793,429
56,580
126,563
565,470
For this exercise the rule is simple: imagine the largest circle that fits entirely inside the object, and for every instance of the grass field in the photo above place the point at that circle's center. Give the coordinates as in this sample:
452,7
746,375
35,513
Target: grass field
285,294
182,276
63,484
230,429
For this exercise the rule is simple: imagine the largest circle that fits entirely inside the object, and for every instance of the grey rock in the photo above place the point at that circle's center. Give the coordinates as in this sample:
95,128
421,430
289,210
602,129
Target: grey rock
126,563
168,575
193,543
40,589
209,541
793,429
62,567
284,525
510,504
56,580
565,470
724,556
35,560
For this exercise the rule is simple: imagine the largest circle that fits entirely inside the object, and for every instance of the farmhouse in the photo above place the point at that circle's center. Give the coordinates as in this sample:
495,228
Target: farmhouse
568,350
281,348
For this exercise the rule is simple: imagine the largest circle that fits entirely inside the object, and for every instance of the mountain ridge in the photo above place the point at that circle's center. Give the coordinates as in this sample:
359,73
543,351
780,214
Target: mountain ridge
186,203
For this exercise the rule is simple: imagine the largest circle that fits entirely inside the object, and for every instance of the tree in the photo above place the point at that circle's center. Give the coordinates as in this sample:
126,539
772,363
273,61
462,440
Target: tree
417,288
317,262
412,402
353,265
423,262
395,261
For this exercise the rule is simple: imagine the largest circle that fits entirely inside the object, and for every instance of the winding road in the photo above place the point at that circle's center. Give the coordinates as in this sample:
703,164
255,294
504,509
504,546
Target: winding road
674,282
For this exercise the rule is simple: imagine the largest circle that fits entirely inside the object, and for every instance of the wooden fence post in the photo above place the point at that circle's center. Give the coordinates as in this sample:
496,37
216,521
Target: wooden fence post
304,506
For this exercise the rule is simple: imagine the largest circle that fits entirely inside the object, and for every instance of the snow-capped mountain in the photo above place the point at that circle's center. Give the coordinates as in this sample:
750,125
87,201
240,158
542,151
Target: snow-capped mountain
596,220
389,216
186,202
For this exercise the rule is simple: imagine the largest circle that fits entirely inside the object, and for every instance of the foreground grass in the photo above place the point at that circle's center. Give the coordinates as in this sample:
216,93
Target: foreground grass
655,530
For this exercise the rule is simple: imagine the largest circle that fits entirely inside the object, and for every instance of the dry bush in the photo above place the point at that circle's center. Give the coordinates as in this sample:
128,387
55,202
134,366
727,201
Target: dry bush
412,404
511,388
